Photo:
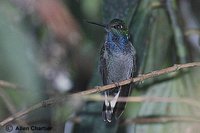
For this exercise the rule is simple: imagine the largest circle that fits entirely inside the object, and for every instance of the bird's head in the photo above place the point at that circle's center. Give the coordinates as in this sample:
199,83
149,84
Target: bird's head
116,26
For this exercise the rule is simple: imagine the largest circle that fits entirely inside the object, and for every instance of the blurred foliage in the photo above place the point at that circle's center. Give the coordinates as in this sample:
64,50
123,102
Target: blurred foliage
48,50
17,46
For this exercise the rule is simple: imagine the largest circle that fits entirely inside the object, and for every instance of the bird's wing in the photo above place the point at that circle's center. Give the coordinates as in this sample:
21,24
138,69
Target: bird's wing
106,112
134,69
103,66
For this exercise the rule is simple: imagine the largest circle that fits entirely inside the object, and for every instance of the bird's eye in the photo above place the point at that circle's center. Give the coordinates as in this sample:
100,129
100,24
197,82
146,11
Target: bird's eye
115,26
118,26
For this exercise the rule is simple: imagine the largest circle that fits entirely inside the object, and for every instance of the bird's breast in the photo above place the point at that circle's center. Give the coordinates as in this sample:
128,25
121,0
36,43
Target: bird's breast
119,67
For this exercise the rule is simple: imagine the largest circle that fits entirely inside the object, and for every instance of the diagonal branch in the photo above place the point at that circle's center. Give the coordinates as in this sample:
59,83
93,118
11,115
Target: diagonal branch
10,106
140,78
5,84
51,101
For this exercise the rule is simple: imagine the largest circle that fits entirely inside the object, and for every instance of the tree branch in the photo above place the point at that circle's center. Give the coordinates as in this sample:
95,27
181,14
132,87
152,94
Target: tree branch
5,84
188,101
107,87
150,119
10,106
140,78
41,104
8,102
160,119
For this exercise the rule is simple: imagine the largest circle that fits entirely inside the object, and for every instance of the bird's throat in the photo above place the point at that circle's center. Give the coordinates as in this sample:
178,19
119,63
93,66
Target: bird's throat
116,43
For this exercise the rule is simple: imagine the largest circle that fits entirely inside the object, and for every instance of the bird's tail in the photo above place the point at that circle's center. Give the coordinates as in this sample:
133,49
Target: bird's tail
113,108
107,113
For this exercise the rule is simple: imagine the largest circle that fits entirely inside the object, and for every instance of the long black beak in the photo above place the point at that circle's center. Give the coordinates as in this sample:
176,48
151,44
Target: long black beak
101,25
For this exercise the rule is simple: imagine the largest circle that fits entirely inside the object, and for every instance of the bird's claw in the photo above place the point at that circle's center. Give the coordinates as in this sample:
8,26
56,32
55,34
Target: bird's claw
116,84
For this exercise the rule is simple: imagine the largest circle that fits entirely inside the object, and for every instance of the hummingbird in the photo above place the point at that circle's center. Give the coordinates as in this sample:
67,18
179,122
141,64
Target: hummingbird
117,63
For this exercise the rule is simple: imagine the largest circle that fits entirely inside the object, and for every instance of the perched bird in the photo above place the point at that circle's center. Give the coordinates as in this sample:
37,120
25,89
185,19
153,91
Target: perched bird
117,63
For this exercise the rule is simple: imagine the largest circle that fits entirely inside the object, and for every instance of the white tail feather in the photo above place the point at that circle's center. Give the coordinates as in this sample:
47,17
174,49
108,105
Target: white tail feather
114,100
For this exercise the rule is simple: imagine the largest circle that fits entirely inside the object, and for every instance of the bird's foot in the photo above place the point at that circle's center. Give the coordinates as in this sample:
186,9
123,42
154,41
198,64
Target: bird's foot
116,84
98,89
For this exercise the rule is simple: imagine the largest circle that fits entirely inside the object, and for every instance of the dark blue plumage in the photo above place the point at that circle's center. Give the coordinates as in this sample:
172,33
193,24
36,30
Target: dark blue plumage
117,63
